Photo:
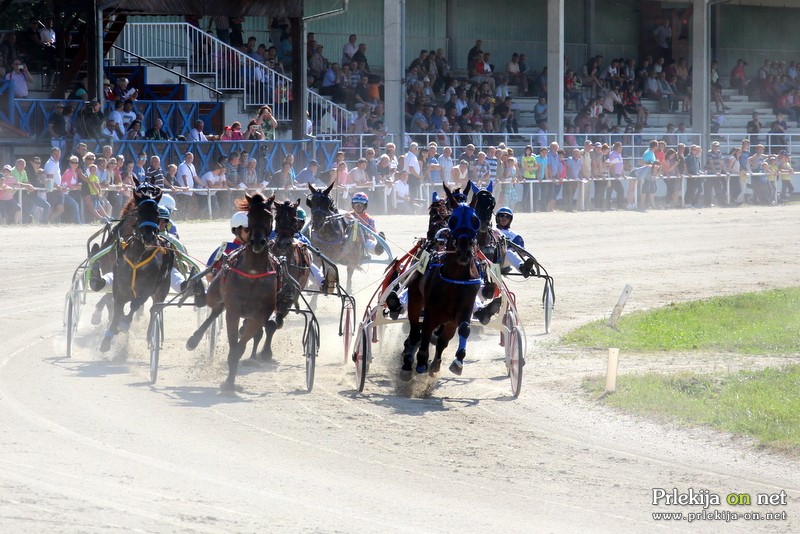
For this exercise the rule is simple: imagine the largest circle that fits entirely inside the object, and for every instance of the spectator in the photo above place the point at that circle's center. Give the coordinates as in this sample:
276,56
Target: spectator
401,192
515,76
123,92
196,134
349,49
8,51
127,114
157,132
19,78
739,78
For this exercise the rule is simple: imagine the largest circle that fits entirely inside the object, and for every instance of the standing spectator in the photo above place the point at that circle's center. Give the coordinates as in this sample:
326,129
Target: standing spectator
32,199
739,78
127,113
236,34
412,167
786,173
184,181
694,179
615,166
349,49
19,78
154,174
714,181
662,36
573,165
222,26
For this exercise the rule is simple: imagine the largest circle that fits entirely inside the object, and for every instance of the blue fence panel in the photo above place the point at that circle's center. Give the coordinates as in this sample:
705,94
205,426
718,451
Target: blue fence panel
268,154
7,99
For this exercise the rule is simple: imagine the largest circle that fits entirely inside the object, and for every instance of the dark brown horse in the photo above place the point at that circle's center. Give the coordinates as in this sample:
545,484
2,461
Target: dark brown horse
143,263
246,287
285,247
332,233
446,291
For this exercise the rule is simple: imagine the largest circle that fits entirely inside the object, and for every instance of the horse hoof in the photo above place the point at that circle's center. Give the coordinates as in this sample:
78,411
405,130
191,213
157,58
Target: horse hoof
124,326
405,376
422,368
192,342
97,316
227,386
436,365
456,367
105,345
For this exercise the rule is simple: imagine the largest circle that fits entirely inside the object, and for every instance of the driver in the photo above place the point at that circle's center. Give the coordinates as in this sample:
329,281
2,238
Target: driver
240,228
503,218
359,203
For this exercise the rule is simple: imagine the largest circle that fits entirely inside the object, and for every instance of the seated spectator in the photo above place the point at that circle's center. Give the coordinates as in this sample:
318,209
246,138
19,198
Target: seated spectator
123,92
515,76
482,72
157,132
540,110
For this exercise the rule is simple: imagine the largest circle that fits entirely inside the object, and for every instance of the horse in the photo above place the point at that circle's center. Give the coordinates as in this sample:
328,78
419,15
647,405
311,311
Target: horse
143,264
246,287
298,263
446,291
336,236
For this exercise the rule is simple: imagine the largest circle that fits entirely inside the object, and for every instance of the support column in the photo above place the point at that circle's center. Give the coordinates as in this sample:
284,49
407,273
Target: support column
588,27
700,67
451,14
393,67
555,68
299,83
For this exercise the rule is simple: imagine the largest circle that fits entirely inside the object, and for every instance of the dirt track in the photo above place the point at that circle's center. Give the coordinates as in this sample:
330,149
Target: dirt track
88,445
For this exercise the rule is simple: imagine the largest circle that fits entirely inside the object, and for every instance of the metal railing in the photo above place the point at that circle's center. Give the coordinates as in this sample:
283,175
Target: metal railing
231,70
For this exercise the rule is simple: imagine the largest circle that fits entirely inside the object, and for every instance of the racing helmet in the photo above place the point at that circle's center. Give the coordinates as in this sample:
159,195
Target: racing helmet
301,214
360,198
167,202
505,210
163,213
239,219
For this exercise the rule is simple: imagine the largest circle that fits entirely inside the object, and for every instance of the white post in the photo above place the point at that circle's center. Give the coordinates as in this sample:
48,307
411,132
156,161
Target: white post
612,321
611,370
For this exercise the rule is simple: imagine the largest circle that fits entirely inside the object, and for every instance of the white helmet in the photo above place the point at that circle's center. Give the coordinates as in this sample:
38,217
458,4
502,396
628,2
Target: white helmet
239,219
168,202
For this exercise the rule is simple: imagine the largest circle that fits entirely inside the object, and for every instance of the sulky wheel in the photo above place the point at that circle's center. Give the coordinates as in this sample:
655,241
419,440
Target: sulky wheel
361,356
311,349
155,334
349,327
516,360
71,323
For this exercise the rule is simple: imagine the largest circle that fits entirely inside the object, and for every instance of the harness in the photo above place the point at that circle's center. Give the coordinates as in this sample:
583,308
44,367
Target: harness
158,249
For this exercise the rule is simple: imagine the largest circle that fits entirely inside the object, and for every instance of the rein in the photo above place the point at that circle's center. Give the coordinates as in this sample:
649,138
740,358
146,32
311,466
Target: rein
252,276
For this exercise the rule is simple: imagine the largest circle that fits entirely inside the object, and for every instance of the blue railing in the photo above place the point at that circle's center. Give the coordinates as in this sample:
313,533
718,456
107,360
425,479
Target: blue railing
33,114
268,154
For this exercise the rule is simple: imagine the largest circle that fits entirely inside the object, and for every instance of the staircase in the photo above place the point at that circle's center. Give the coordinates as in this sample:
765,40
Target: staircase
221,66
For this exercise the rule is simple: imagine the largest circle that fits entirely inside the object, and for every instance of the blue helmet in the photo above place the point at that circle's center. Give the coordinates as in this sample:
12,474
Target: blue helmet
301,214
505,210
360,198
163,213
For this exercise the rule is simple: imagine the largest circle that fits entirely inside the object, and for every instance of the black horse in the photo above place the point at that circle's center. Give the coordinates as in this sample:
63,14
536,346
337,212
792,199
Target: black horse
446,292
333,234
246,287
143,262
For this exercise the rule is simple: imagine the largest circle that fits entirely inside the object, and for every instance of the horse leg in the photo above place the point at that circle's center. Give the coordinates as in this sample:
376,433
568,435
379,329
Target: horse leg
127,319
350,269
113,329
266,351
194,339
236,345
458,364
256,340
443,336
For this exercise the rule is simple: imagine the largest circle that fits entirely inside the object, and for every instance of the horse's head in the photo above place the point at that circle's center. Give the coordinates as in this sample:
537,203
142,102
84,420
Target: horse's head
259,219
146,196
484,202
321,204
438,214
456,196
464,226
285,223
